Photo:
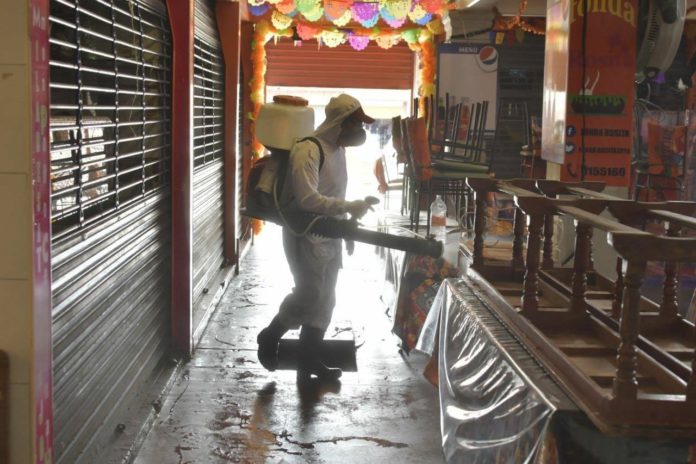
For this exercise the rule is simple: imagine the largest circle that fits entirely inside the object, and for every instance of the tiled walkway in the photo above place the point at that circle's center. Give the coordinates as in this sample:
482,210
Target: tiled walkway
225,407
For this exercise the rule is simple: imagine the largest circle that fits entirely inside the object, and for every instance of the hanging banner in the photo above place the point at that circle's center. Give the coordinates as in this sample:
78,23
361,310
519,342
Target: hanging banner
599,109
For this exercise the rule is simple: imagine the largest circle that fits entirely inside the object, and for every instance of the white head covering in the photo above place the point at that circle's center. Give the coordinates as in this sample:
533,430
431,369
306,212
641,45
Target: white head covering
338,109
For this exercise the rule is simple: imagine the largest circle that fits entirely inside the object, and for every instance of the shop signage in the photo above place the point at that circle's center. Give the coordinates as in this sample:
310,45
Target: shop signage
601,62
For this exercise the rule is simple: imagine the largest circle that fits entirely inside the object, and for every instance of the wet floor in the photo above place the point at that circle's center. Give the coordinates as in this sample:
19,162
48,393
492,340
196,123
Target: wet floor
225,408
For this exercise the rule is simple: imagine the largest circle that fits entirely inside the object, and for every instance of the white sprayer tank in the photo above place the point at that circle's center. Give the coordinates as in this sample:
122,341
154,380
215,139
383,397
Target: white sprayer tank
281,123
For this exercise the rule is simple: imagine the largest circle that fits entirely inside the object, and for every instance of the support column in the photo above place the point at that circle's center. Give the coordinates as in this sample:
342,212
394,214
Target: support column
26,432
181,18
42,345
229,28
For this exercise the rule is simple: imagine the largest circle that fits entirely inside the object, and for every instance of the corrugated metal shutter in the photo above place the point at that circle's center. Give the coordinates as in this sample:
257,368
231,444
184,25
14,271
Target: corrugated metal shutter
340,67
208,150
521,72
110,154
520,81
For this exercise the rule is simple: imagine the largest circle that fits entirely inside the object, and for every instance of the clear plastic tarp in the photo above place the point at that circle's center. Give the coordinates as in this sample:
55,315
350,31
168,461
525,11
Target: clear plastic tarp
498,405
490,411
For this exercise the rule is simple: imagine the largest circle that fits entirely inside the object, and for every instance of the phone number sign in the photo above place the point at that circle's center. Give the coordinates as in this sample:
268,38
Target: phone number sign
599,109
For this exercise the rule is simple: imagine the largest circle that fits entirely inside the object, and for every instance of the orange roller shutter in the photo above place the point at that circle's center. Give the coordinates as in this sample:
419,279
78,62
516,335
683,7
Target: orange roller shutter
340,67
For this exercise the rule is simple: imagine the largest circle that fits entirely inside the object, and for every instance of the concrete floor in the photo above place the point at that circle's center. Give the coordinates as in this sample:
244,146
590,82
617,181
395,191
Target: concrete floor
224,407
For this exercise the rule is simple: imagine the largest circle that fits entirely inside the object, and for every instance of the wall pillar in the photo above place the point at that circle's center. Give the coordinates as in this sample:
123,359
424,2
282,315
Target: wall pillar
181,18
25,241
229,27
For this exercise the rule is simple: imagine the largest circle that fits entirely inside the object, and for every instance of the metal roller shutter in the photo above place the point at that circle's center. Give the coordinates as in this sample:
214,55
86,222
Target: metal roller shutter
109,125
521,72
208,150
520,79
340,67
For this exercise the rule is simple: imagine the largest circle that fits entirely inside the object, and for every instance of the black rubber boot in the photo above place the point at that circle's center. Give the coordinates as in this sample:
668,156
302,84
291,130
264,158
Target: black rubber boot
268,340
308,358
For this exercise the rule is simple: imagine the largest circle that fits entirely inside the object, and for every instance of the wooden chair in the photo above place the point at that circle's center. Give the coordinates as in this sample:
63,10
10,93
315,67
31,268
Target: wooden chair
387,179
464,145
450,144
443,130
429,177
401,160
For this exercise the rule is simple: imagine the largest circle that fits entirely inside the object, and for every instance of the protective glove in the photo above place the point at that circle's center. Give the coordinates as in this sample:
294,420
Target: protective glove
350,247
357,208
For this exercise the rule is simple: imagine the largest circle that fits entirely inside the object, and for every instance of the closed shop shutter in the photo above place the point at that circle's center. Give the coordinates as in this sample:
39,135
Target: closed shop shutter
340,67
208,150
520,81
110,208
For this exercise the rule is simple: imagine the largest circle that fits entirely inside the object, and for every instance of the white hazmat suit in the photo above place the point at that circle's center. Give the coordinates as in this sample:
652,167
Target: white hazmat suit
315,261
317,186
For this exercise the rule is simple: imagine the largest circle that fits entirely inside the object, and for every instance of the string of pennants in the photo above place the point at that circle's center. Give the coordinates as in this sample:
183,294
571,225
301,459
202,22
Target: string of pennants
394,13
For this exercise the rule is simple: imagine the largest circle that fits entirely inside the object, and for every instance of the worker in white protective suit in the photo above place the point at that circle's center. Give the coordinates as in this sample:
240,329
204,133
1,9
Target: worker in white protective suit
316,181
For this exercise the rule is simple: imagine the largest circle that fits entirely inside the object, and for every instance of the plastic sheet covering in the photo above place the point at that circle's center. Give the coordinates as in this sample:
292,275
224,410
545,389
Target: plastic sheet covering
490,410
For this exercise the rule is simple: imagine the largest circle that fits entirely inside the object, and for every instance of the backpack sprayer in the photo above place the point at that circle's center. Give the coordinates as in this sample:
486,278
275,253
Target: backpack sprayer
278,125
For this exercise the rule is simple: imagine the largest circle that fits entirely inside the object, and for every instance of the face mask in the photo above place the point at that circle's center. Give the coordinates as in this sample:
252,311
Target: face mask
354,138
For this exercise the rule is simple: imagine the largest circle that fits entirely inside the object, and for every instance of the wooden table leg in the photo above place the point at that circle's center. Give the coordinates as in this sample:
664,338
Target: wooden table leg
625,382
530,297
583,237
479,227
517,241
